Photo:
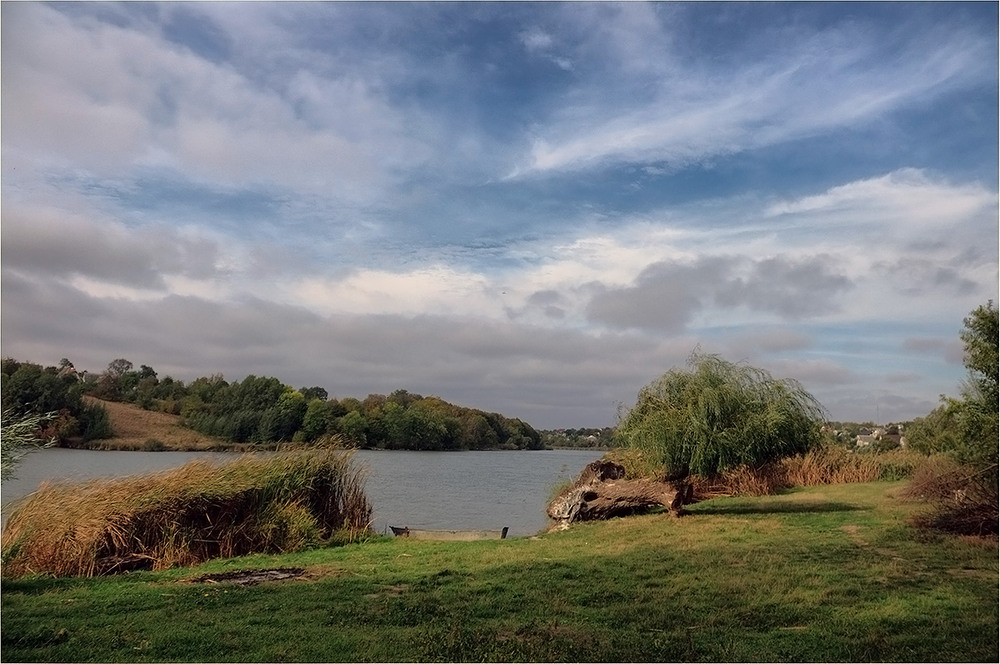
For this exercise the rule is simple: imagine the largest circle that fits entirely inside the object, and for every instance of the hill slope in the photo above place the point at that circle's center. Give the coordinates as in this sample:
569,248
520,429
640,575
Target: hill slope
137,429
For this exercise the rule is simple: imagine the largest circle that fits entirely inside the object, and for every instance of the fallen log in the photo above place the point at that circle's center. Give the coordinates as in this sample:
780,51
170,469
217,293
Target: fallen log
601,492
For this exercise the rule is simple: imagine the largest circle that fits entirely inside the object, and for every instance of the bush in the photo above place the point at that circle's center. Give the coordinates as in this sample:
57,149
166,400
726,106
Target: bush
963,498
95,422
268,504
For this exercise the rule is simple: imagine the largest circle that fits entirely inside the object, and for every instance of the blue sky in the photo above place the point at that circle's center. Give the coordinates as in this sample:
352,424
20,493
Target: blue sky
534,209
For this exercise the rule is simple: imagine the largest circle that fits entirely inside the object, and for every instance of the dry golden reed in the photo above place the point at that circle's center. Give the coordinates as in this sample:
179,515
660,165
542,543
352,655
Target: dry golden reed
822,465
256,503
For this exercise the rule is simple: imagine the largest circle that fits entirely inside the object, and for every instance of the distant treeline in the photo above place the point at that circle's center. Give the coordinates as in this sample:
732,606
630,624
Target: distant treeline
30,389
262,409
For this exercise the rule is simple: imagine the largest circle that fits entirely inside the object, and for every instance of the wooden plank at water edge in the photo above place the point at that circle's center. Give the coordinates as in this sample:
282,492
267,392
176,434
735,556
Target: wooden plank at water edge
449,535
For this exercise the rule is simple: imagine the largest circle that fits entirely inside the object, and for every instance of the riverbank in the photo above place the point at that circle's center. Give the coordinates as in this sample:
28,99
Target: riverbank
830,573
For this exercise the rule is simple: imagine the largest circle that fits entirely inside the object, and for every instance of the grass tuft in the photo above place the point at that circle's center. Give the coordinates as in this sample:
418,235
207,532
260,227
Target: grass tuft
258,503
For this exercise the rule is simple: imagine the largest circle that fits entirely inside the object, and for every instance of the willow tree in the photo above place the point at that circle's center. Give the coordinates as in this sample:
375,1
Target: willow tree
716,415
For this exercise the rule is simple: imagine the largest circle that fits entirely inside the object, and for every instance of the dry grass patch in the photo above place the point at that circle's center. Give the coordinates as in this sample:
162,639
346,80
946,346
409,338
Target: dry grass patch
821,466
255,504
138,429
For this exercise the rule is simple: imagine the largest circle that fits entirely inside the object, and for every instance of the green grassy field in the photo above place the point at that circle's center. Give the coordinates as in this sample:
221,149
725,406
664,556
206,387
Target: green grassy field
829,573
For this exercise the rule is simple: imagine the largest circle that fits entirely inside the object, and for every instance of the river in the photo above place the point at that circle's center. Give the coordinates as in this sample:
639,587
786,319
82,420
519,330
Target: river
439,490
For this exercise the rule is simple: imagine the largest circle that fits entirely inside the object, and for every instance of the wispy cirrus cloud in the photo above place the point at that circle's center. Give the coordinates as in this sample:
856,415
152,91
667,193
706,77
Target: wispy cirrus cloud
806,83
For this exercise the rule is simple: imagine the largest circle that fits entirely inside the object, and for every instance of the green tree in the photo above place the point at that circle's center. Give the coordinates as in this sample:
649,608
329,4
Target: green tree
354,426
386,425
31,390
980,337
716,415
114,381
977,414
967,428
311,393
318,420
476,432
424,428
291,409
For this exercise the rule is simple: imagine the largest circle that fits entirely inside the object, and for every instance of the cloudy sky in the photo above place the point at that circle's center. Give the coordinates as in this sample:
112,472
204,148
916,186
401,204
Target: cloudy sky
533,209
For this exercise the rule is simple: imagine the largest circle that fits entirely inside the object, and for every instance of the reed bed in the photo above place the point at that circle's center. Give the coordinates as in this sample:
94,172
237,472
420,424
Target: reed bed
272,503
836,465
821,465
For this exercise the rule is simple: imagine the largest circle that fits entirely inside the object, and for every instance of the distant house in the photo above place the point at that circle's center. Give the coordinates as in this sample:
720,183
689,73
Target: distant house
864,440
889,434
868,436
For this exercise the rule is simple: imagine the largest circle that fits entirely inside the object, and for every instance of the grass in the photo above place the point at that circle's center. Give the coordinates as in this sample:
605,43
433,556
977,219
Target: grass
827,573
202,510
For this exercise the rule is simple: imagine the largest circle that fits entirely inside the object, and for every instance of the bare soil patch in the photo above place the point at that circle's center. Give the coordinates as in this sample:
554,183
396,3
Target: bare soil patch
252,577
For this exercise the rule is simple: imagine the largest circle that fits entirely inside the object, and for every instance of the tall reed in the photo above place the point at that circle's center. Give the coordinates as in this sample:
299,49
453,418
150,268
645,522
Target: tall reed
821,465
257,503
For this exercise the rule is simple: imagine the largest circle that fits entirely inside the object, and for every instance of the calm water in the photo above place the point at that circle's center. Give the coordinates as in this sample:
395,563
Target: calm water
441,490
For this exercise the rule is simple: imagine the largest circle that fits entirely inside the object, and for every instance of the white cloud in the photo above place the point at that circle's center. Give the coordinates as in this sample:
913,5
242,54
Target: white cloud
106,97
536,39
435,289
901,201
689,114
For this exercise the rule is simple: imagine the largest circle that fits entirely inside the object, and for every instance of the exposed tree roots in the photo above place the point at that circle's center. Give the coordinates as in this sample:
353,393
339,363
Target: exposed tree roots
601,492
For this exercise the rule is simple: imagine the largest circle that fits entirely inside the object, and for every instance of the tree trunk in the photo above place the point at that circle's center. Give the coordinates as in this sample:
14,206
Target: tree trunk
601,493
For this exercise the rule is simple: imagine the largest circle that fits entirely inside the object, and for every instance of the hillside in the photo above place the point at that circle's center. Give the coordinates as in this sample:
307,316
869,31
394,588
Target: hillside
138,429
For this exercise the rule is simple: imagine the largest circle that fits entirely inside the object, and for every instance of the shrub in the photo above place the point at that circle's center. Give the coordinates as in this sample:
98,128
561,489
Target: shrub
274,503
963,498
96,422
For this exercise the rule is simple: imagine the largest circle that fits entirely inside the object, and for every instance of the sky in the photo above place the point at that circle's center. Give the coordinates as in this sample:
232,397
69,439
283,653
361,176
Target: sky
531,209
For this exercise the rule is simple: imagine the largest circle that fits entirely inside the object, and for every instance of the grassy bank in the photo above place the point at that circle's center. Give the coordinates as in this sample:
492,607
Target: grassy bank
830,573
